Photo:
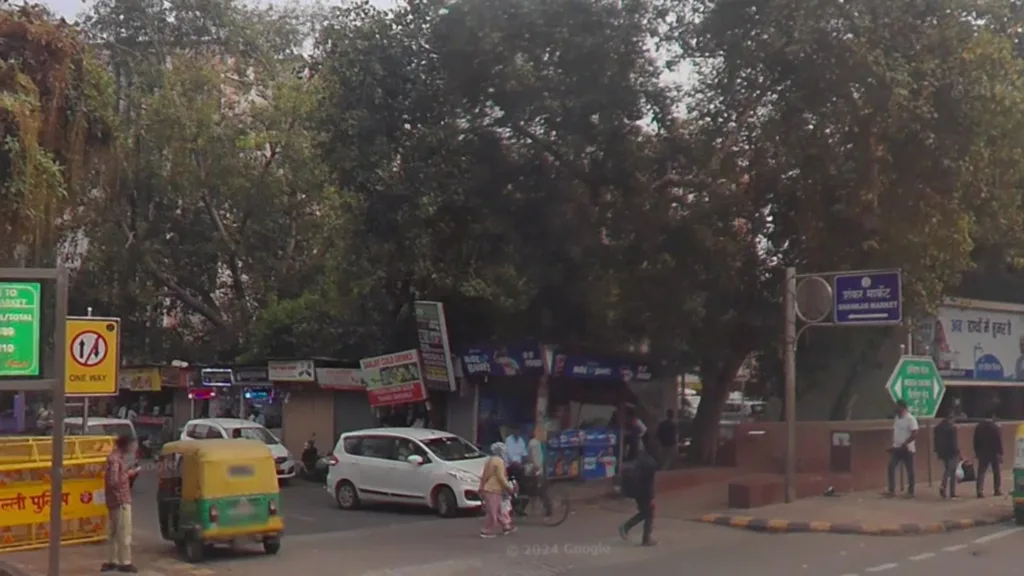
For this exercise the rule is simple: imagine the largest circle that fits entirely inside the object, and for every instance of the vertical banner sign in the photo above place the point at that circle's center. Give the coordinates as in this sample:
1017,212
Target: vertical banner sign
20,307
93,356
435,350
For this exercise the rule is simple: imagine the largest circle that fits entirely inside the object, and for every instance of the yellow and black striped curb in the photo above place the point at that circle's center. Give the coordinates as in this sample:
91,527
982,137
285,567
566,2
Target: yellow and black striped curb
781,526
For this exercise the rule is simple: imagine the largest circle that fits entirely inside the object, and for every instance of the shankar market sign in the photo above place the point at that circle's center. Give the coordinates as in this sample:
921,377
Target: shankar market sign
20,310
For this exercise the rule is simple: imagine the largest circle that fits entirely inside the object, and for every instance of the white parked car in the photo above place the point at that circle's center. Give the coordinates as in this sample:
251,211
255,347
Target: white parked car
219,428
105,427
406,466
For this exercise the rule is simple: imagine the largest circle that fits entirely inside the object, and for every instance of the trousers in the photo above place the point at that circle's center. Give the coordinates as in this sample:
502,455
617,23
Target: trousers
121,535
983,465
906,458
645,514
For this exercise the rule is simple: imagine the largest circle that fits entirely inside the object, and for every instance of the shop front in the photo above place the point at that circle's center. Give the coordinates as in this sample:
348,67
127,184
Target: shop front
146,395
507,380
352,409
257,398
307,409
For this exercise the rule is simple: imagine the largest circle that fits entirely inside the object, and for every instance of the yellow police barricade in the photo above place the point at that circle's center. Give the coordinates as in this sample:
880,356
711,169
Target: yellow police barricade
25,491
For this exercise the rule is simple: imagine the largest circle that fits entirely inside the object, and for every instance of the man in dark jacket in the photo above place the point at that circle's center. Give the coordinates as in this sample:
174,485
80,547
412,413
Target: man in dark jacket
641,489
668,438
988,447
947,449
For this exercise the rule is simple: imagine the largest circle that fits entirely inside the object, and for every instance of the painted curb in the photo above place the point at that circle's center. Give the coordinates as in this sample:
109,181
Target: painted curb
781,526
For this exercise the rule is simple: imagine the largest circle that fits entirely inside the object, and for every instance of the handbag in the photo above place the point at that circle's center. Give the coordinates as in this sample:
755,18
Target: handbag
969,475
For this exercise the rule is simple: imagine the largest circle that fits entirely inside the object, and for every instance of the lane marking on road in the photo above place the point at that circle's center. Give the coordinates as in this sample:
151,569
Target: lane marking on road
920,557
997,535
954,548
882,567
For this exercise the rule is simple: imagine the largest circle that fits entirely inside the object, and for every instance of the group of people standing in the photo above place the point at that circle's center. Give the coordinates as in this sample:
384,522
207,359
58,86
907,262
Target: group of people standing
987,444
518,460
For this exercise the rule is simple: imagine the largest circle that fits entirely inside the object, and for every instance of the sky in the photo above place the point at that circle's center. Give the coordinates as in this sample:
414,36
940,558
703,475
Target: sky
69,9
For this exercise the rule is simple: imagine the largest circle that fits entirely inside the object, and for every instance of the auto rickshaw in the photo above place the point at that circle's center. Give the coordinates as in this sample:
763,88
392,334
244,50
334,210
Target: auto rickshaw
1018,477
218,492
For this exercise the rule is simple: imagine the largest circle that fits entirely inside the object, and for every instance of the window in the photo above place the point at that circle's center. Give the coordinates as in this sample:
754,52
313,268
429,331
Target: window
255,433
214,433
405,448
241,471
376,447
196,431
351,445
451,448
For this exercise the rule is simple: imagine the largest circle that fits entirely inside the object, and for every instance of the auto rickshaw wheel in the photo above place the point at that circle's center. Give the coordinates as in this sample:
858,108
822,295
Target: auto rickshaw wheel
195,550
271,545
346,495
1018,515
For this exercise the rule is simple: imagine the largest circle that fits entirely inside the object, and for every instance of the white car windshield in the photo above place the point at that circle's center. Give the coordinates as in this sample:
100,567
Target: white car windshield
452,448
103,429
254,433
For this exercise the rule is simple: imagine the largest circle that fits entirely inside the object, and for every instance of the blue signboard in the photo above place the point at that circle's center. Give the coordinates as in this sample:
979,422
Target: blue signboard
569,366
868,298
503,361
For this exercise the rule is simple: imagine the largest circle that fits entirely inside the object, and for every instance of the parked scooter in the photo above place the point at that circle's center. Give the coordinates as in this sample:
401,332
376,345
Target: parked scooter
314,464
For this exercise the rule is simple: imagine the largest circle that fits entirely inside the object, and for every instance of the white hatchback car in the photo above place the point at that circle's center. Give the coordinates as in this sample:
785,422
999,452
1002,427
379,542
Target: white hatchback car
219,428
406,466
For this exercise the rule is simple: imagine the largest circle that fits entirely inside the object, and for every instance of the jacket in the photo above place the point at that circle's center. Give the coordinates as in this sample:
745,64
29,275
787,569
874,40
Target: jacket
945,440
988,442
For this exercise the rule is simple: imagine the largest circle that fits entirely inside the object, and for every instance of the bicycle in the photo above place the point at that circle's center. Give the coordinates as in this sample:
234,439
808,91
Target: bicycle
527,506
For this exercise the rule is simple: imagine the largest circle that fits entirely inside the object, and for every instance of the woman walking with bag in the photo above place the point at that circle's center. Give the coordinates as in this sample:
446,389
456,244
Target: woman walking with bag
494,485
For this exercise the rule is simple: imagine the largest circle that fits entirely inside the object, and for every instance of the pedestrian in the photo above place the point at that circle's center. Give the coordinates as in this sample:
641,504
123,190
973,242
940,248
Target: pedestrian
516,446
639,485
904,434
988,448
536,468
494,488
947,449
117,490
668,437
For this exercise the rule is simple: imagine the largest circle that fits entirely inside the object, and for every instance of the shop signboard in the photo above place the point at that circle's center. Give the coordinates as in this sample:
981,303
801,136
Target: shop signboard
345,379
975,341
139,379
589,368
503,361
254,376
291,371
215,377
435,350
393,378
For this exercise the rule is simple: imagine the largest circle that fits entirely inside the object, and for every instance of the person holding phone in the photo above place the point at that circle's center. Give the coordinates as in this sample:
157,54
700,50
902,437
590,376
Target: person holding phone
118,493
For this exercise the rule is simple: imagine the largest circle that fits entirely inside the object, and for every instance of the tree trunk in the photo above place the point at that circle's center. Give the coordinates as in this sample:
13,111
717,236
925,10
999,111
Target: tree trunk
707,423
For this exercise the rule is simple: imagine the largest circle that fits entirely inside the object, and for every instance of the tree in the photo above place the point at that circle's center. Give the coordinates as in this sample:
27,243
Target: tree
55,127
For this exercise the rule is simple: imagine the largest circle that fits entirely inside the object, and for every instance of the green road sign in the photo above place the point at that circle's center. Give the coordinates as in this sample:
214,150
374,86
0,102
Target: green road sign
20,306
916,381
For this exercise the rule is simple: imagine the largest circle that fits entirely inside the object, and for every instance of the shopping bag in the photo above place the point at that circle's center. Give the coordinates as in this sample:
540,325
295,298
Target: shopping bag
960,471
969,474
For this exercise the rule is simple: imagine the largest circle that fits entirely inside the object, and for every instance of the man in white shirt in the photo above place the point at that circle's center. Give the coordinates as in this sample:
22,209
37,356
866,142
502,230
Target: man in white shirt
516,446
904,434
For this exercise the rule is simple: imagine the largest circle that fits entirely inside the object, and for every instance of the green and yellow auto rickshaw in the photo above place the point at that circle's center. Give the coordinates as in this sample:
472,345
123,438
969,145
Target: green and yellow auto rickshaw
218,492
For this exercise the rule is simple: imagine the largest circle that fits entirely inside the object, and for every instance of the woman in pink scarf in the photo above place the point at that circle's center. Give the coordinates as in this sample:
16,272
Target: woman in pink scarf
494,486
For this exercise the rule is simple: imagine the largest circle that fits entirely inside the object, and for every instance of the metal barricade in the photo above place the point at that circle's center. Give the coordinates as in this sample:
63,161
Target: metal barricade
25,491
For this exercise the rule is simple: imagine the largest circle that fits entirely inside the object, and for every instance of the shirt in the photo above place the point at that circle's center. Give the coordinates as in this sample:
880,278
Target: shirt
903,428
117,484
516,449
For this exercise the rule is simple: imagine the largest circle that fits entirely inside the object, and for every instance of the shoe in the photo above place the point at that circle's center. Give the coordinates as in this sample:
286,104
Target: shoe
649,542
623,533
128,568
108,567
488,535
511,530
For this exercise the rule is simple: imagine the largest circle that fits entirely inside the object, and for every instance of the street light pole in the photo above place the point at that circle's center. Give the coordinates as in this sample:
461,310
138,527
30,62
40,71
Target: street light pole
789,370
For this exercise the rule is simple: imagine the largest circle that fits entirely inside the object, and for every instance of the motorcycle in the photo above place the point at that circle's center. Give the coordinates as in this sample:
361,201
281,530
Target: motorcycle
314,464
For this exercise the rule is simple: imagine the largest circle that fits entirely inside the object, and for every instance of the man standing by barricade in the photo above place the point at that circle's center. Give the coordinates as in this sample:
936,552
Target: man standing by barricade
118,492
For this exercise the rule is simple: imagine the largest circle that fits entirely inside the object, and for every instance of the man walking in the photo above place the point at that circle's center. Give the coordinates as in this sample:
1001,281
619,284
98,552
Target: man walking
904,433
668,437
947,449
639,485
117,489
536,467
988,447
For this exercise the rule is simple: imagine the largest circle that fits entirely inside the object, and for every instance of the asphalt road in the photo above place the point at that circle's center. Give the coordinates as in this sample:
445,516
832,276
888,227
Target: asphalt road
306,507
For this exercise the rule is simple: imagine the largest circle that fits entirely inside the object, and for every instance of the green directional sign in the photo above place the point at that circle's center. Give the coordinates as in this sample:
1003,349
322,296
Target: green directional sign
916,381
20,306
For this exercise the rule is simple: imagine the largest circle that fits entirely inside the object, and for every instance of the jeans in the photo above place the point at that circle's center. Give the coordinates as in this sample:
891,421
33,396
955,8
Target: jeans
121,535
948,484
983,465
903,456
645,514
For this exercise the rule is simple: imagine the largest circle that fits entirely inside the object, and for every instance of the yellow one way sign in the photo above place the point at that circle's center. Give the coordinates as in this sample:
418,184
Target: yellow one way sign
92,356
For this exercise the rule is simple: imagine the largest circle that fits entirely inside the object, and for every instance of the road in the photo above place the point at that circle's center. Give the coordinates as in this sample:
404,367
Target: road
309,509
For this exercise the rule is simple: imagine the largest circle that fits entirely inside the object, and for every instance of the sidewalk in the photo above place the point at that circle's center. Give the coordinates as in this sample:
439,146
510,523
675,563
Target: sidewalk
875,514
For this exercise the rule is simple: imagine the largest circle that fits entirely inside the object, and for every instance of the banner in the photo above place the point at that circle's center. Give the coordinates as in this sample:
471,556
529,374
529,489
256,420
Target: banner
435,350
569,366
393,378
291,371
139,379
975,343
340,379
503,361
